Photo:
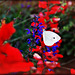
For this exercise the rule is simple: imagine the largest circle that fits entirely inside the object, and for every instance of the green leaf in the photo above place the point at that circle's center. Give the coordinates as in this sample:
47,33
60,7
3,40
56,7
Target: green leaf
55,16
5,42
61,8
45,20
64,4
51,20
69,52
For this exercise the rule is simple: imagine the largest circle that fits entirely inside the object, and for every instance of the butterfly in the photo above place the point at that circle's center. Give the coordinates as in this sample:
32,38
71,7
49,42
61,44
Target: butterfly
50,38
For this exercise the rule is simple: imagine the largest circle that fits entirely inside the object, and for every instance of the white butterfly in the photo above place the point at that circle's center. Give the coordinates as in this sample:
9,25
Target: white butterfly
50,38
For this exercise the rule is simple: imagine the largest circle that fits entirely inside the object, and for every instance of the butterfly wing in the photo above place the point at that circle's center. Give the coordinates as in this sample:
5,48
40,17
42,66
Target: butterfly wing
50,38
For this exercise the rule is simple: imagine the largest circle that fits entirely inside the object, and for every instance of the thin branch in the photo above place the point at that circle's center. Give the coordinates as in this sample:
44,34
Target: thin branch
66,68
30,18
21,37
3,2
68,62
23,21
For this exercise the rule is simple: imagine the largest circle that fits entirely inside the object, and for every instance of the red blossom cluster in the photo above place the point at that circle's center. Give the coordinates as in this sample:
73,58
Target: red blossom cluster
11,59
47,60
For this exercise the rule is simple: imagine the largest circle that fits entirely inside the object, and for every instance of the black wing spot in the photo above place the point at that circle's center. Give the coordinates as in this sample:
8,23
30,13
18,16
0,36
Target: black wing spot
53,37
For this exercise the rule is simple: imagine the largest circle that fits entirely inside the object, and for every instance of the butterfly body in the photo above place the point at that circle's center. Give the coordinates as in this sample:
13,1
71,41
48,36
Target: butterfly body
50,38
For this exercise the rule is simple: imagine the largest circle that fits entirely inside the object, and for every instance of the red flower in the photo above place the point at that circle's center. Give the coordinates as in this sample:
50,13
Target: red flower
42,4
6,31
47,13
37,56
53,58
55,29
33,23
46,17
72,71
12,54
15,67
55,2
39,70
52,12
40,63
54,25
41,20
2,57
42,43
37,49
60,41
36,36
58,65
57,51
55,9
40,14
11,59
59,56
50,73
51,65
49,53
55,19
64,8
